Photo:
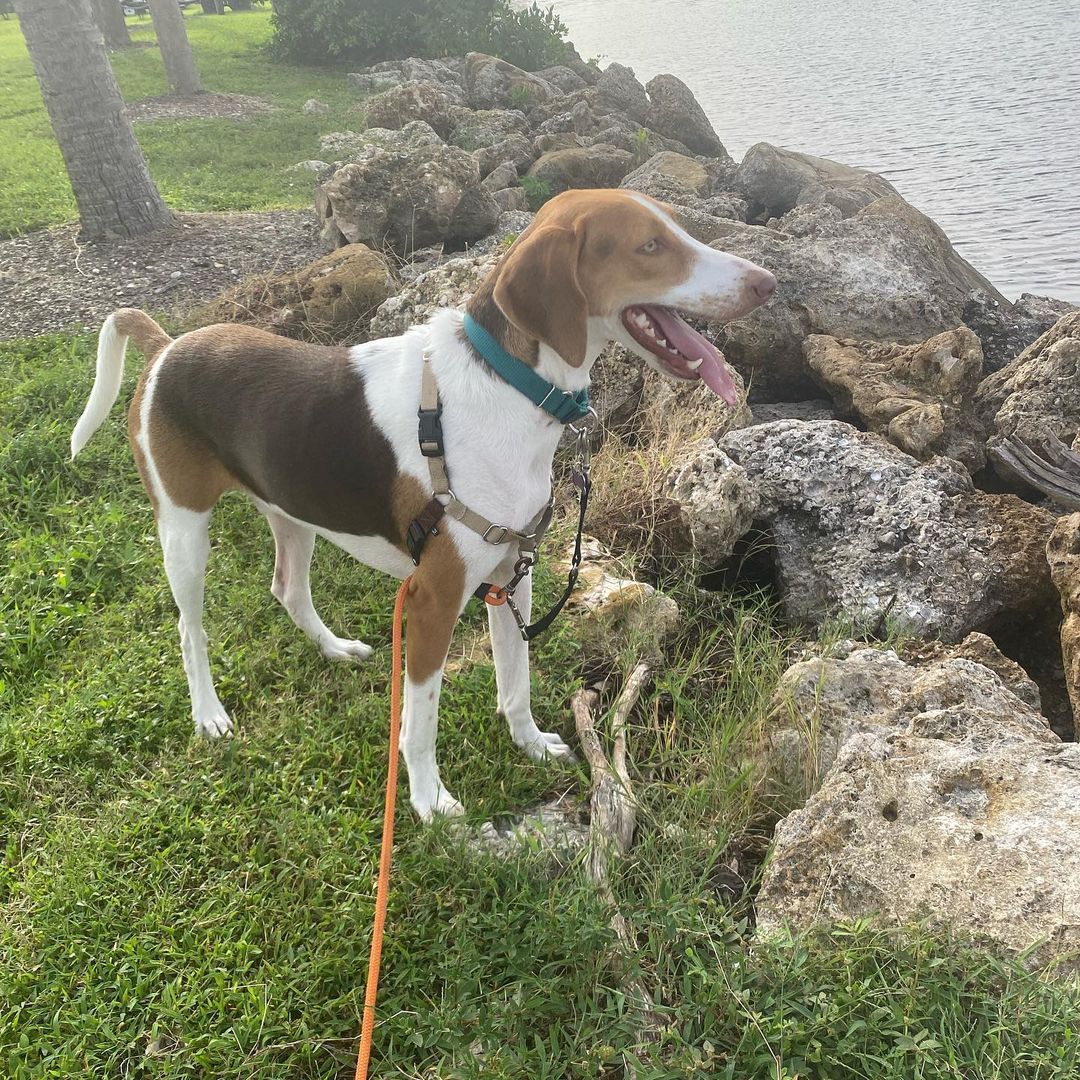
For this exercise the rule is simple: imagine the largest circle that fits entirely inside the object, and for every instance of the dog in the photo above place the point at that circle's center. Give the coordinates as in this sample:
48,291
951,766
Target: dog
324,440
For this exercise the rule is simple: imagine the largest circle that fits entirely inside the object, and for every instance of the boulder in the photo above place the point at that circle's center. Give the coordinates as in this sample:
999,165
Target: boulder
967,819
562,140
886,274
1039,392
1005,334
503,176
823,702
1063,555
626,135
409,101
408,192
491,83
450,284
511,199
865,533
618,92
765,412
774,181
487,127
372,82
918,396
670,178
331,299
313,107
517,148
615,389
564,79
591,167
717,504
673,111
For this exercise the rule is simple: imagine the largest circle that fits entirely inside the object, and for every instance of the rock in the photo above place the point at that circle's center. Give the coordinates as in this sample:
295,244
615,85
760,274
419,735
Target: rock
578,119
670,178
767,412
1005,334
344,146
931,825
408,194
492,83
886,274
409,101
448,285
775,180
673,111
1063,555
717,504
592,167
618,92
823,702
448,73
805,220
918,396
313,106
511,199
623,133
331,299
702,226
372,82
865,533
564,79
510,224
616,611
615,389
516,148
1039,392
503,176
317,168
487,127
564,140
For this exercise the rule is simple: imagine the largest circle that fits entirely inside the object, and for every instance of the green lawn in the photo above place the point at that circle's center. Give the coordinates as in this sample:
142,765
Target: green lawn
198,164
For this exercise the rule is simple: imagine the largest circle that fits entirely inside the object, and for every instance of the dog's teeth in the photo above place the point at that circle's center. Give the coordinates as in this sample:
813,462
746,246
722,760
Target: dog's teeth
661,341
693,365
642,319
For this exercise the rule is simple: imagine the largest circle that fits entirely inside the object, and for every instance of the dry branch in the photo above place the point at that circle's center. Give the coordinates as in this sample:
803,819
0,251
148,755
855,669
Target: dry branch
1048,465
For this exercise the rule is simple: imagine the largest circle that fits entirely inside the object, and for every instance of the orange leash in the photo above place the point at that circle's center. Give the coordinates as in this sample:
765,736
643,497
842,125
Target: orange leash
382,894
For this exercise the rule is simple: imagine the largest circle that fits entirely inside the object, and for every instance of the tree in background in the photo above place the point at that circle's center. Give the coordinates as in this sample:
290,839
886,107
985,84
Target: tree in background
108,172
180,71
109,16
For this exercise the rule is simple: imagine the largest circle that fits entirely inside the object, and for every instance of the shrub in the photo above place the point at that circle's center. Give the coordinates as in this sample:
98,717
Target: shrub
364,31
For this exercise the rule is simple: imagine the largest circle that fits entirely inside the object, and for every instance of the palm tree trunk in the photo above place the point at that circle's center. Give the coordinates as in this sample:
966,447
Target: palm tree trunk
106,167
180,71
109,16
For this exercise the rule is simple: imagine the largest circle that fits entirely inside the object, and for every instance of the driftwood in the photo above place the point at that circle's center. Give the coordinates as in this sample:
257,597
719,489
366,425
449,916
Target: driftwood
612,821
1046,464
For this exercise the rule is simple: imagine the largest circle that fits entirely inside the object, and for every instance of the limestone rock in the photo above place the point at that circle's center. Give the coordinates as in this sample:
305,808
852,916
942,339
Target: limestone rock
1006,334
775,180
408,193
615,389
1063,555
342,146
1038,392
618,92
814,409
673,111
372,82
930,824
918,396
863,532
670,178
487,127
562,78
409,101
717,503
492,83
511,199
592,167
503,176
516,148
331,299
313,106
886,274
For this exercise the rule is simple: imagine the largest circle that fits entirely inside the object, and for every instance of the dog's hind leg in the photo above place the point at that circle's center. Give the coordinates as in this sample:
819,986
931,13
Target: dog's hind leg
294,544
185,541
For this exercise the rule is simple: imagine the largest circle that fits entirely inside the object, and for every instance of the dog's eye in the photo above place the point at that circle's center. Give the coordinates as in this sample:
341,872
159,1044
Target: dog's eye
651,248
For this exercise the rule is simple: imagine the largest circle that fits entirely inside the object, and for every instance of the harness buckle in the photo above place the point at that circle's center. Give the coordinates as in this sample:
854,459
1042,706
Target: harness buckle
500,530
430,432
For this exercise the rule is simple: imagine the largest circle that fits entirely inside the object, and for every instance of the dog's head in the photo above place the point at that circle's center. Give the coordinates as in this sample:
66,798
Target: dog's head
596,266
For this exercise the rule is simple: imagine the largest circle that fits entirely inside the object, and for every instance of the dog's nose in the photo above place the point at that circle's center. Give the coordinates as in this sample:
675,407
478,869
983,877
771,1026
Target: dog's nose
763,284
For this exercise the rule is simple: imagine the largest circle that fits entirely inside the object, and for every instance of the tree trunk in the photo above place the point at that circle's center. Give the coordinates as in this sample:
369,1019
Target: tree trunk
107,169
109,16
180,71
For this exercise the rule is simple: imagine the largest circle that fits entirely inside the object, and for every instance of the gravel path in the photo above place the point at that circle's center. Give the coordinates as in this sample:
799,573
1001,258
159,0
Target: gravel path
49,281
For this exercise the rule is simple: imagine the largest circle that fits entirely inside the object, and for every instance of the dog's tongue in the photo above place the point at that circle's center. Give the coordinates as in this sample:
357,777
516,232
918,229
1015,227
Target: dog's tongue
713,371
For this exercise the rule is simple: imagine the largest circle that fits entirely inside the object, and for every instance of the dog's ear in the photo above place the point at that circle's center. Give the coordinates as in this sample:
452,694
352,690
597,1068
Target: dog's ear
537,289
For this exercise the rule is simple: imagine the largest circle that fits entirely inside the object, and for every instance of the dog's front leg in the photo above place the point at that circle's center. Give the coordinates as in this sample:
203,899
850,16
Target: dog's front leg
435,600
511,654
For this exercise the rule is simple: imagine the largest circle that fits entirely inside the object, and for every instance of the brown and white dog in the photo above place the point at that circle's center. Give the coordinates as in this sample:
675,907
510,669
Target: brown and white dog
324,440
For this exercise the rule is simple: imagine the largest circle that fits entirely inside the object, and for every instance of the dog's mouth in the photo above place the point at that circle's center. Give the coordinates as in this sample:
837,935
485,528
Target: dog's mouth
682,352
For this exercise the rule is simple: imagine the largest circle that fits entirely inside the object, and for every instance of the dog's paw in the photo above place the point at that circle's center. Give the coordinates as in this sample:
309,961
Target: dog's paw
443,805
548,746
213,723
336,648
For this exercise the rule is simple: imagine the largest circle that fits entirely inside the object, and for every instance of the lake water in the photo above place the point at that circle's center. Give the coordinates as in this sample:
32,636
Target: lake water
971,108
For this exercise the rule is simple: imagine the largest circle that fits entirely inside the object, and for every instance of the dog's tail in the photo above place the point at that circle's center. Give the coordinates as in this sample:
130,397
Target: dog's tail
112,343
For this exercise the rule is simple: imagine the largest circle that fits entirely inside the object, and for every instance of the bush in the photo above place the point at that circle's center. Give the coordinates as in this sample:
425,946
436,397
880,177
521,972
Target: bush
364,31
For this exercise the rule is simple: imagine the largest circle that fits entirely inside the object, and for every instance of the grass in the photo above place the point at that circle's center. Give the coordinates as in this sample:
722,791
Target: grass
198,164
171,908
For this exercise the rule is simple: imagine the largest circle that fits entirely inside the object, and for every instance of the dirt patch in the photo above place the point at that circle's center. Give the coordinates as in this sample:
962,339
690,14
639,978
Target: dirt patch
51,281
205,106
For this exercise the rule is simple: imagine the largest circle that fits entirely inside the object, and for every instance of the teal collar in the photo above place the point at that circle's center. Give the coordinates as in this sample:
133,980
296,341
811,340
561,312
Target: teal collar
561,404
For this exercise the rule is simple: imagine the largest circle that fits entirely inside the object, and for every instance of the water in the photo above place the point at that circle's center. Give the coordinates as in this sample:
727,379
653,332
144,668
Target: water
971,108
